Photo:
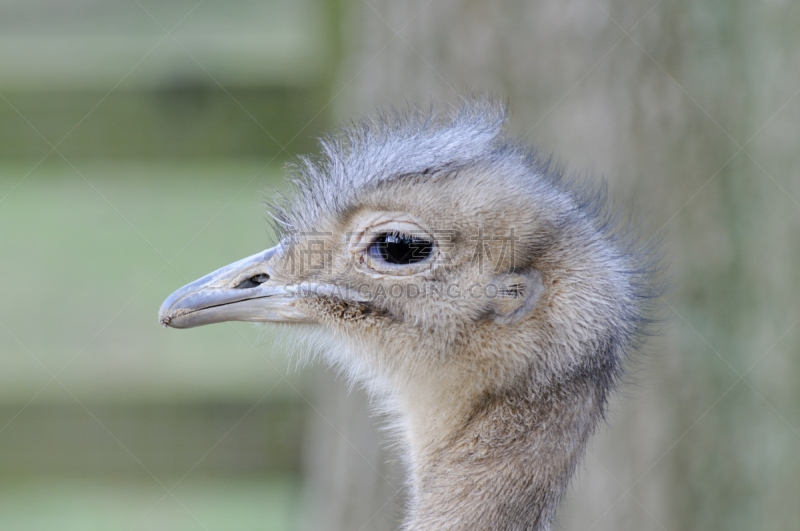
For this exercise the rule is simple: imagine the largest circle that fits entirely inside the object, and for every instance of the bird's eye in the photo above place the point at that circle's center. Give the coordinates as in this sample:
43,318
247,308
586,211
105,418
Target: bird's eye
400,249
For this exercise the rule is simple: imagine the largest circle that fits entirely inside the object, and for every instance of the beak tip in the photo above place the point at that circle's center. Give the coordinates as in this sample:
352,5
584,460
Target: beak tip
164,318
166,314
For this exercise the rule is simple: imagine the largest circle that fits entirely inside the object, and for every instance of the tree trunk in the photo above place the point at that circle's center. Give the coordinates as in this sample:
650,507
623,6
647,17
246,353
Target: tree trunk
657,97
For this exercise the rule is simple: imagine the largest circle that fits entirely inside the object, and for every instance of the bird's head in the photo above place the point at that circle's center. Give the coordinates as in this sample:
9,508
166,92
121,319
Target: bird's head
430,249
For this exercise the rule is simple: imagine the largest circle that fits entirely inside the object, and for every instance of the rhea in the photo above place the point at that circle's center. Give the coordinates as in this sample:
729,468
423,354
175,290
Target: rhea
484,299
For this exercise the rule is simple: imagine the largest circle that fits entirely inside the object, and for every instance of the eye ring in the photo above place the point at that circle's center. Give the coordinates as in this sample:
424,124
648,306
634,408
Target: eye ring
397,249
392,243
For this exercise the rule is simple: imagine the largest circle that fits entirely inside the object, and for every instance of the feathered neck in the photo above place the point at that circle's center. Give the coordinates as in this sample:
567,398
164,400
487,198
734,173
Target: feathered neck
507,462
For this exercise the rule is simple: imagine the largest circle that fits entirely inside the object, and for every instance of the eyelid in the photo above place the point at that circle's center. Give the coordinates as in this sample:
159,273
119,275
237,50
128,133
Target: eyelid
377,223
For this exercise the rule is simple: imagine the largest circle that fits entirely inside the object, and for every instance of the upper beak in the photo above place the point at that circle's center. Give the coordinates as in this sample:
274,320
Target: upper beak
241,291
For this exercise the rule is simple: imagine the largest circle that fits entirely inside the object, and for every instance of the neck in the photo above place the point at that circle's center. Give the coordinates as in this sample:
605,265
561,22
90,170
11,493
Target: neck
507,463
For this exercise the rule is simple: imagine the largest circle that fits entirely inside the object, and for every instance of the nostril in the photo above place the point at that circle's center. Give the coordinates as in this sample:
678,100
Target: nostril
252,282
260,278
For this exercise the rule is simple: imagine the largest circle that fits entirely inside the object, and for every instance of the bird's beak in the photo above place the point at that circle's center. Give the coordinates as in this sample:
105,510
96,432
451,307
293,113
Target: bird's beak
241,291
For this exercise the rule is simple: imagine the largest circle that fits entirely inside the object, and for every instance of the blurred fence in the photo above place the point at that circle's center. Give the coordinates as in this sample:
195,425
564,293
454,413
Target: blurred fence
169,438
135,139
163,79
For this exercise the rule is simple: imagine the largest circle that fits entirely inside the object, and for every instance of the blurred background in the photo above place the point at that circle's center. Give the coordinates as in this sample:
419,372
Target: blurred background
137,139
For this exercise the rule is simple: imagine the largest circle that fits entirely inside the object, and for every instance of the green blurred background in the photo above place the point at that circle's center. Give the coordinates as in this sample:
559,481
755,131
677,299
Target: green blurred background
137,140
130,163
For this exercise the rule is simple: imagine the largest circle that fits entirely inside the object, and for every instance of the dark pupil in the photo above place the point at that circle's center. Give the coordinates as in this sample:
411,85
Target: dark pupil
400,249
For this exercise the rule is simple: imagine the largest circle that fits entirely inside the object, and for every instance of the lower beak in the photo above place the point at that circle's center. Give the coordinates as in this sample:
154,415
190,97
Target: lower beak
241,291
